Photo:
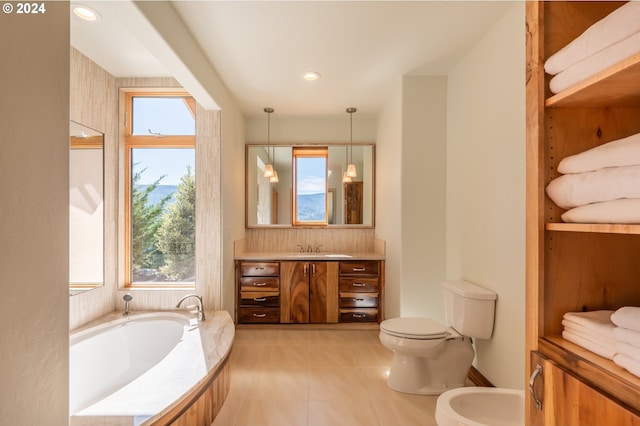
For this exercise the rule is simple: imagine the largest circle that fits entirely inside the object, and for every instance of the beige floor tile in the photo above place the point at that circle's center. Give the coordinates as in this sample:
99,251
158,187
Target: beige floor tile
252,337
273,413
331,356
336,383
231,408
406,411
280,384
330,337
373,356
343,412
285,356
290,337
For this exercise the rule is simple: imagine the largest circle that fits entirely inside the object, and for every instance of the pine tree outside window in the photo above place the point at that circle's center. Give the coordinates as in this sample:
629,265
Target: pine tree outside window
160,190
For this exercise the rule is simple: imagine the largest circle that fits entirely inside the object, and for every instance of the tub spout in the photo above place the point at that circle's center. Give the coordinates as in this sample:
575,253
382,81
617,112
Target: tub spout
127,298
199,306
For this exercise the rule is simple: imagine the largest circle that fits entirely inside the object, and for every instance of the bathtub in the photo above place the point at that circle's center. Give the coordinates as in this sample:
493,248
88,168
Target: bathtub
147,367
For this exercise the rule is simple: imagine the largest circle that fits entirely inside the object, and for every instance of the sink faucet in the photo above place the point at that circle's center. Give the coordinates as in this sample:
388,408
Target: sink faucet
127,298
309,248
199,306
301,248
318,248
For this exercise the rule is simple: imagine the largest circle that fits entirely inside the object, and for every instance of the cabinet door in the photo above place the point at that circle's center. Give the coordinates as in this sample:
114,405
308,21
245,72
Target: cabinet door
568,401
294,292
323,292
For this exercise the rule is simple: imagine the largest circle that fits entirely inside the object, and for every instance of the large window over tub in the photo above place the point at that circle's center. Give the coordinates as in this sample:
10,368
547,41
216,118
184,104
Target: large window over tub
160,190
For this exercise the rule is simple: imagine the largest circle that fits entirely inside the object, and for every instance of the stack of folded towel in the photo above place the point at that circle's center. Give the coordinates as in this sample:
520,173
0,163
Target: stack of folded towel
591,330
607,42
600,185
614,335
627,334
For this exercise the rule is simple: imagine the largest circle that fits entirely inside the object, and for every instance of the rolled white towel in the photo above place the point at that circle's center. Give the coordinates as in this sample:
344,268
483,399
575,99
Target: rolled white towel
598,348
620,152
627,336
622,211
611,183
618,25
628,363
590,332
627,317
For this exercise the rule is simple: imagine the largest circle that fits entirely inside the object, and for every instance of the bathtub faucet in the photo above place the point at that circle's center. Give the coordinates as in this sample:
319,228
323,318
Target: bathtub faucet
127,298
199,306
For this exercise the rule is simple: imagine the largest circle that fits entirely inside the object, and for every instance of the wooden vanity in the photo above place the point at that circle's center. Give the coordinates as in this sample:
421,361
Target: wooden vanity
307,288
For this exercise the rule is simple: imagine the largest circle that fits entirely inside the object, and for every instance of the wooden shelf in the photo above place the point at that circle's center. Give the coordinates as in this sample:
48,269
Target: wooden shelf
615,86
602,228
599,372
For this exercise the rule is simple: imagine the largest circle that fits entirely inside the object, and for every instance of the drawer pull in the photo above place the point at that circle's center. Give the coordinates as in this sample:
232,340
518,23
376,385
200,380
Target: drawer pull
259,268
260,299
359,316
358,284
358,300
532,381
359,269
259,315
259,284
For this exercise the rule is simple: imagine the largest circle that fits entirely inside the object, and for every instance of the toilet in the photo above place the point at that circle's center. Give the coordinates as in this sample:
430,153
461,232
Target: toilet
430,358
480,406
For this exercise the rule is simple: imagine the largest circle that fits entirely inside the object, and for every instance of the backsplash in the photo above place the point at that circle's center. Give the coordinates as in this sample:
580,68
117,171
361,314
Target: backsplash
287,239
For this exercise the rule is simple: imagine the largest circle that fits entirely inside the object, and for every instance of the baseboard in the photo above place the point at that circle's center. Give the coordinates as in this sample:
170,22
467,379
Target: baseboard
478,379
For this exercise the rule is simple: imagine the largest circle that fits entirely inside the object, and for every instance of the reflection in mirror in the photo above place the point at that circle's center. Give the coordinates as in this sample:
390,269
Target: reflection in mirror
272,203
86,209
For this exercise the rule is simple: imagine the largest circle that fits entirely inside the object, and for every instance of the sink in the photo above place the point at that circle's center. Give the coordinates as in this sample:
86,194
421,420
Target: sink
318,255
337,255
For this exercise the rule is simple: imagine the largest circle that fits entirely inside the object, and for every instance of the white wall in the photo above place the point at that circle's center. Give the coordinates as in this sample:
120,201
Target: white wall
486,186
34,212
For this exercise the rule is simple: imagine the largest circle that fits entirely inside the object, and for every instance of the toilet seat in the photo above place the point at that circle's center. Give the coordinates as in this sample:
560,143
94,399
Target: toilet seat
414,328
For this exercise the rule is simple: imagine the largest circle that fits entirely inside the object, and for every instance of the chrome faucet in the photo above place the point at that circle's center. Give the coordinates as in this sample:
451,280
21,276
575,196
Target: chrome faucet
127,298
301,248
199,306
309,248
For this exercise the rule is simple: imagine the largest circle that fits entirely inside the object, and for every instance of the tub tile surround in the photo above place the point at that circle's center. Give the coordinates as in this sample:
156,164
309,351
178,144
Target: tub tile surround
207,352
298,377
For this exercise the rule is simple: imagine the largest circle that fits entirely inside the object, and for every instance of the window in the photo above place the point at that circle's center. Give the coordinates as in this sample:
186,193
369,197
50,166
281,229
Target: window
160,190
310,186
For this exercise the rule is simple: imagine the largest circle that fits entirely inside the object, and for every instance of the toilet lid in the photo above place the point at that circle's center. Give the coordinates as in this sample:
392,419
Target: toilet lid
414,328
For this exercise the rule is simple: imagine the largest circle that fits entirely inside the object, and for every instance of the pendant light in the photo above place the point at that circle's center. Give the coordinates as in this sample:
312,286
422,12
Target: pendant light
268,168
274,178
345,178
351,168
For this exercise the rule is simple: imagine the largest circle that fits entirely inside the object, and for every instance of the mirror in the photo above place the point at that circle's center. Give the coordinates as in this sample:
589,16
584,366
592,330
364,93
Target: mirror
86,208
281,203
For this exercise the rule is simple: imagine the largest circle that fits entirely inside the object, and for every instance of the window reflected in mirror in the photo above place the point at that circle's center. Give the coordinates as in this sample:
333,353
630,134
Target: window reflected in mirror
309,190
86,208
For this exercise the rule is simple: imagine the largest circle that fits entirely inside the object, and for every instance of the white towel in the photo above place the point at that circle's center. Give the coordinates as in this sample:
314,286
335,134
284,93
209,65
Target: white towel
618,25
622,211
591,333
599,321
628,364
627,336
631,351
598,348
620,152
595,63
627,317
611,183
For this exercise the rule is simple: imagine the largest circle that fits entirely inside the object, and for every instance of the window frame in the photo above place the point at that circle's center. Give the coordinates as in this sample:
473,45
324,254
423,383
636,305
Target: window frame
309,152
148,141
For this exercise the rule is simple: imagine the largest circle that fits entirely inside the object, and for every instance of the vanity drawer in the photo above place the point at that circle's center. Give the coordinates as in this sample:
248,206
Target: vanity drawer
260,298
358,300
359,268
260,269
259,283
359,285
259,315
358,315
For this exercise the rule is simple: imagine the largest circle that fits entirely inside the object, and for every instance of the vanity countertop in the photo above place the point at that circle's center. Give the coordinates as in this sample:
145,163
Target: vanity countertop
325,256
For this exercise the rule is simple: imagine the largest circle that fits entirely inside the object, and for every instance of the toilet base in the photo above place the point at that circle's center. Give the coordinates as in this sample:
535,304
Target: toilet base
432,375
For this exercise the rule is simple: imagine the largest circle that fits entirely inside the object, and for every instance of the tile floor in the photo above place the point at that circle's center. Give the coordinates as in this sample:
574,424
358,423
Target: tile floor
283,377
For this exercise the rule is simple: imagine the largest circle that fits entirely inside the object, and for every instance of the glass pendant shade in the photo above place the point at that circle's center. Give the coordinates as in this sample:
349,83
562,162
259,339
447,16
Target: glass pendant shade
345,178
268,170
274,178
351,171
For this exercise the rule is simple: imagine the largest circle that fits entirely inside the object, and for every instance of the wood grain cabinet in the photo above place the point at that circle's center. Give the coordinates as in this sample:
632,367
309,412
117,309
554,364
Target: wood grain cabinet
258,292
575,266
309,292
360,291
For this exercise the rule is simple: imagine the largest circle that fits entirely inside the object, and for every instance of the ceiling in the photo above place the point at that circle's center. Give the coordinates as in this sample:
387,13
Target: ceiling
260,49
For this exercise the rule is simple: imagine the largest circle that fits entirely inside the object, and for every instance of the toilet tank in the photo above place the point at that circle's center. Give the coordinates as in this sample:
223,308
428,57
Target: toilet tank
469,308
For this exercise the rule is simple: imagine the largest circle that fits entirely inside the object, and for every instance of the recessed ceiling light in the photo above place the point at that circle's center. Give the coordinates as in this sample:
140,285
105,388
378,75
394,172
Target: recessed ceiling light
85,12
311,75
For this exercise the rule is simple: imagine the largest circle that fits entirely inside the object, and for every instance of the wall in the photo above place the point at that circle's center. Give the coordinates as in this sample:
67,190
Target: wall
34,308
486,186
